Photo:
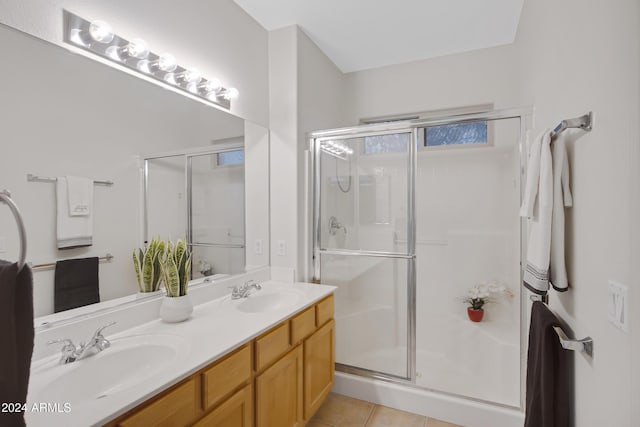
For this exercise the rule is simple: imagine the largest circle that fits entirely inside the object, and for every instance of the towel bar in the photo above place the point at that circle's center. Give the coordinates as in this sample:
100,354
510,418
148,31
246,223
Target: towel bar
584,122
50,265
35,178
585,344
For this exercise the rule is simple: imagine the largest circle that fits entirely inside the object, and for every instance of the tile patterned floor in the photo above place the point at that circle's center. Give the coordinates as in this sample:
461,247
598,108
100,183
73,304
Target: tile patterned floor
343,411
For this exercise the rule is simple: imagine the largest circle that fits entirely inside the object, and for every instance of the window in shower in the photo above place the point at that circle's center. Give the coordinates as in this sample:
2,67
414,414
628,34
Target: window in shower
456,134
228,158
380,144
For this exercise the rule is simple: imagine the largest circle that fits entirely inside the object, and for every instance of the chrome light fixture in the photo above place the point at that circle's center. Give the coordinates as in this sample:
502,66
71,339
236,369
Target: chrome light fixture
98,38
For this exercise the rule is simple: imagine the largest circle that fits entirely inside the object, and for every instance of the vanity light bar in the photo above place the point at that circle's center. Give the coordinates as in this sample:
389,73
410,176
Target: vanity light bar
98,38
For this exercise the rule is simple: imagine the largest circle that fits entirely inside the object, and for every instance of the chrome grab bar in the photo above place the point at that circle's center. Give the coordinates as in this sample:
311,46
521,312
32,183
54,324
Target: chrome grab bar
5,196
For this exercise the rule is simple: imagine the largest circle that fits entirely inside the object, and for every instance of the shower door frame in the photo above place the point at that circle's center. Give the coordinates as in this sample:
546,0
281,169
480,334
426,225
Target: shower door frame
413,127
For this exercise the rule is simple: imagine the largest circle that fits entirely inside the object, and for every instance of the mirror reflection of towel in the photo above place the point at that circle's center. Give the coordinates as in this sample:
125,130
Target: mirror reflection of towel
76,283
16,338
74,213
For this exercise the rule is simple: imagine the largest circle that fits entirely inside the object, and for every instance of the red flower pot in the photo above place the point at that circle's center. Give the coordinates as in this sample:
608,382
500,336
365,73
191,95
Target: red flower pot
475,315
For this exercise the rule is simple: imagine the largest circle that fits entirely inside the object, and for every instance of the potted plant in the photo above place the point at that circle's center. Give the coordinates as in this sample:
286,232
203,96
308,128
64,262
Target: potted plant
479,295
176,270
147,263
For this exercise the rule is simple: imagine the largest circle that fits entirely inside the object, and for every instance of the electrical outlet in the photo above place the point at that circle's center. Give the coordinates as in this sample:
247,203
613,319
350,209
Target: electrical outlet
257,247
617,307
3,245
282,248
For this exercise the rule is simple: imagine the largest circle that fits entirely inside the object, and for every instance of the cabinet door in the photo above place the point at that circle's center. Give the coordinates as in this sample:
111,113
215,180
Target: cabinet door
279,392
236,411
318,368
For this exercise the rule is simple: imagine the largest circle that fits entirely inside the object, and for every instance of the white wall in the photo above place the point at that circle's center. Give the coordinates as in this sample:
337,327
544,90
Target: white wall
307,92
480,77
578,56
256,155
216,37
283,152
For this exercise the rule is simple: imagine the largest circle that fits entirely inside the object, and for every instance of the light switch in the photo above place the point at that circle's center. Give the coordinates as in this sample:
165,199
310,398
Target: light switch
617,308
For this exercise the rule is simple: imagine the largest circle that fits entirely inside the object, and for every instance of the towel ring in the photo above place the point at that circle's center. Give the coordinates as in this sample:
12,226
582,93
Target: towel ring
5,196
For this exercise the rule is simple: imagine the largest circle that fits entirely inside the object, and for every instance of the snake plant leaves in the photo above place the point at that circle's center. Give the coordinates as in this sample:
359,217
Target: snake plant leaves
136,266
171,279
147,265
176,267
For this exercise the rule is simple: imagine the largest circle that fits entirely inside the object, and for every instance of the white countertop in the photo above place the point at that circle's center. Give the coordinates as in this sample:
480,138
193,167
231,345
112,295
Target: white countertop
216,328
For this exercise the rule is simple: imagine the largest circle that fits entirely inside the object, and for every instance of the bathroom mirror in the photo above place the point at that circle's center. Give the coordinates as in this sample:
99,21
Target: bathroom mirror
64,114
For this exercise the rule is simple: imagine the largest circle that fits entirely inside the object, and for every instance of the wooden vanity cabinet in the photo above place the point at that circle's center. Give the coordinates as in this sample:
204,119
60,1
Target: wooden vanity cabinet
318,362
279,392
279,379
236,411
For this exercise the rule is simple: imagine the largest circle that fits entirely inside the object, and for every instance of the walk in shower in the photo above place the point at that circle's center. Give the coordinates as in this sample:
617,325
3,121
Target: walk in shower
408,216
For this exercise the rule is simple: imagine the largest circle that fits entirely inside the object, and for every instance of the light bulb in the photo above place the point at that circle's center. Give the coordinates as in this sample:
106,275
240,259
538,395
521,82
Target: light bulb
167,62
231,93
101,32
137,48
212,85
192,76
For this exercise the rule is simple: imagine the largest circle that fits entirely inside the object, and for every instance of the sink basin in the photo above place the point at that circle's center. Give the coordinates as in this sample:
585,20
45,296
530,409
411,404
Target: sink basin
268,300
129,361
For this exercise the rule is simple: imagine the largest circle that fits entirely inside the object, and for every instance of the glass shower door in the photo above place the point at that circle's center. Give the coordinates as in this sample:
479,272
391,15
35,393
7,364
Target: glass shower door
216,212
363,220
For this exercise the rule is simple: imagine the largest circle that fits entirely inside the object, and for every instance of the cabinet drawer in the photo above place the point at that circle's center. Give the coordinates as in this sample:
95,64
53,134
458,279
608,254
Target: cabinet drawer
303,325
324,310
176,408
271,345
225,376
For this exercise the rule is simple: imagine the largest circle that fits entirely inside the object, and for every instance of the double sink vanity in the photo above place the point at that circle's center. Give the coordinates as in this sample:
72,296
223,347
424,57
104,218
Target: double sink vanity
263,359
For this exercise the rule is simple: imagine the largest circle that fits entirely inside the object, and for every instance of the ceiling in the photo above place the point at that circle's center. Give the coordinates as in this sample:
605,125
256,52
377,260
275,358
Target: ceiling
362,34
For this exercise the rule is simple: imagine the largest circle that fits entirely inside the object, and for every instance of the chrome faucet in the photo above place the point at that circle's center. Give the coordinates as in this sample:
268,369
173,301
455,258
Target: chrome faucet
335,225
244,290
71,353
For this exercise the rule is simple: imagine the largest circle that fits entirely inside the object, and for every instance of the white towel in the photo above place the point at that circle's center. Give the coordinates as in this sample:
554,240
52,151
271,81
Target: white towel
73,231
79,195
561,198
537,206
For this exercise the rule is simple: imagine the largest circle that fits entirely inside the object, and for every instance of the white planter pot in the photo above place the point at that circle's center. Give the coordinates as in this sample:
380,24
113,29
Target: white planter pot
176,309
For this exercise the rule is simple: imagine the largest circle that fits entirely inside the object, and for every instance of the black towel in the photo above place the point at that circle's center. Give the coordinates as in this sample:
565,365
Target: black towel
16,336
76,283
547,372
